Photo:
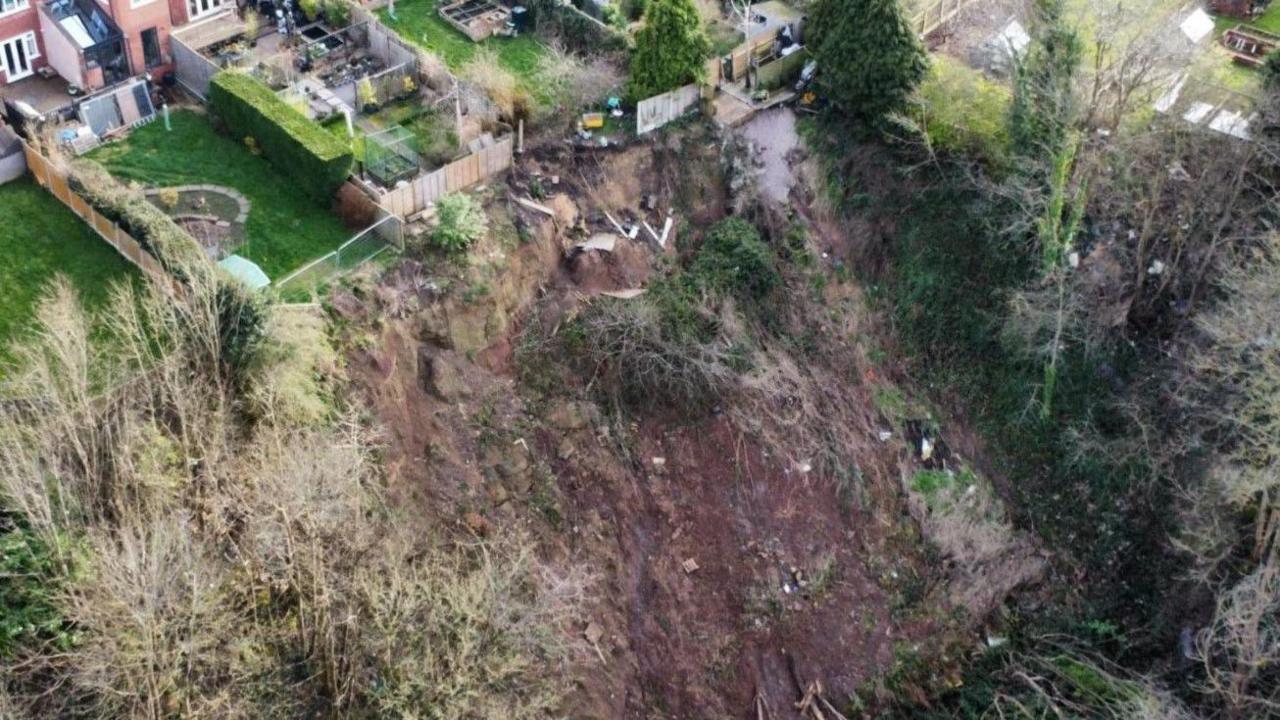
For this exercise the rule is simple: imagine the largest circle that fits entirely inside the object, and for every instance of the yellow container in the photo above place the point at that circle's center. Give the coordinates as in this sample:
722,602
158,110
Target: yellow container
593,121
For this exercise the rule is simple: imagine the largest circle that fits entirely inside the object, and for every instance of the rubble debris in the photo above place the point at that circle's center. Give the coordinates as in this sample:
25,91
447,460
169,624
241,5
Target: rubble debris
439,376
537,207
602,242
628,294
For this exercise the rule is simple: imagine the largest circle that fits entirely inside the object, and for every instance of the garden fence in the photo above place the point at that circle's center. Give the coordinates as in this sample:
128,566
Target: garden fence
423,191
733,66
935,15
661,109
193,70
55,181
385,233
386,45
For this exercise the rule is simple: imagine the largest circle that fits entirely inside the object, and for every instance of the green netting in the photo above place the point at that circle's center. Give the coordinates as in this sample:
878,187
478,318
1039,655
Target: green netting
389,155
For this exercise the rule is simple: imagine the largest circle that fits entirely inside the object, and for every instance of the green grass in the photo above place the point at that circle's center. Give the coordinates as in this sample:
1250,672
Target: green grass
42,238
285,228
418,22
724,36
1269,21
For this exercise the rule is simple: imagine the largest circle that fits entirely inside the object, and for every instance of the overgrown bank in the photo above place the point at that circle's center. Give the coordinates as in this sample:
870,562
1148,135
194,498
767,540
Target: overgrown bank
1083,295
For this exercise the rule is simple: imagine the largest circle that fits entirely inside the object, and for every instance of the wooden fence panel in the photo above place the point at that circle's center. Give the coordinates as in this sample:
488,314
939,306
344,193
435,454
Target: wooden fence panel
424,190
56,184
657,111
936,14
79,206
37,165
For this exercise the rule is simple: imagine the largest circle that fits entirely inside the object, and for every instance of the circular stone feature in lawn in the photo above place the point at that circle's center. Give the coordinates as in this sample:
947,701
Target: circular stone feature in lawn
214,215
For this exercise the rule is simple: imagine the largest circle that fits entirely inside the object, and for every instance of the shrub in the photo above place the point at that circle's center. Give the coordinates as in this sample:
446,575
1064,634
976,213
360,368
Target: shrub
169,197
462,222
664,348
734,258
613,17
316,160
498,83
634,9
252,26
963,112
337,12
367,96
242,328
235,571
671,48
28,611
309,8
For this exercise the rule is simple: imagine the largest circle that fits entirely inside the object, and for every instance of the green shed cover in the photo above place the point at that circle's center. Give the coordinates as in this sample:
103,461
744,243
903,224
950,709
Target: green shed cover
246,271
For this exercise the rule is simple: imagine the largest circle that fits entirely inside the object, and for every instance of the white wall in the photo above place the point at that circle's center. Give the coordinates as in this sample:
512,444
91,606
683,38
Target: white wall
63,55
12,167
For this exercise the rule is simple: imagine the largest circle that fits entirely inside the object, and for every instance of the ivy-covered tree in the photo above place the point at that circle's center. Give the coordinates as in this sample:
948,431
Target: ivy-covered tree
1043,101
869,58
671,49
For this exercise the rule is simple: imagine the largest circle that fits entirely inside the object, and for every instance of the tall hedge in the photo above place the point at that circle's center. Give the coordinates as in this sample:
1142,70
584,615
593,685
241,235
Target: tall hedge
315,160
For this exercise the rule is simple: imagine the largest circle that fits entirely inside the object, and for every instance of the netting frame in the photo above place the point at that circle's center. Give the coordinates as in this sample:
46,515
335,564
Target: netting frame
389,156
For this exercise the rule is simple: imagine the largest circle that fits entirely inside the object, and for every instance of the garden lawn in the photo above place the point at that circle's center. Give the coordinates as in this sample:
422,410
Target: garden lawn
418,22
42,238
285,230
1268,21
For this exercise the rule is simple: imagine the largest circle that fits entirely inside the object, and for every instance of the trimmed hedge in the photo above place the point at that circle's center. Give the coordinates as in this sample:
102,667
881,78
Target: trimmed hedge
315,159
157,233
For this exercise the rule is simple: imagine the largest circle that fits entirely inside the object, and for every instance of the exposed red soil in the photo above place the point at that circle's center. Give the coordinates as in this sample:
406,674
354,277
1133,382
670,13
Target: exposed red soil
726,567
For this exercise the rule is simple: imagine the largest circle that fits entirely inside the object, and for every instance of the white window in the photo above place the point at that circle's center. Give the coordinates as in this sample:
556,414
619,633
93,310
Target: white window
200,8
139,3
16,54
13,6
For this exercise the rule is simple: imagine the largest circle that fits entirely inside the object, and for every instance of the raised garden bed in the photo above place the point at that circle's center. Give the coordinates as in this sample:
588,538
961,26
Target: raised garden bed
214,216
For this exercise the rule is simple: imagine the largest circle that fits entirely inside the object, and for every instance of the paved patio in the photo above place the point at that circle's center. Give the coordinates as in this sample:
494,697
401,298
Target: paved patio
46,95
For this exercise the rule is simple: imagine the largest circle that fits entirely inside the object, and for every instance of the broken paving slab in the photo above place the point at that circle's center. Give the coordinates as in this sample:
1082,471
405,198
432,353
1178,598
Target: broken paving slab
603,242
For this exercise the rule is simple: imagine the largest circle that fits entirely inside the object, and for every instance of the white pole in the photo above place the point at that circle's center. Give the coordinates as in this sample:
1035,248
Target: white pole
457,110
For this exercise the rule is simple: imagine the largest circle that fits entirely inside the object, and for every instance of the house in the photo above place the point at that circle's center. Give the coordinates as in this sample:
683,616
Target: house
67,47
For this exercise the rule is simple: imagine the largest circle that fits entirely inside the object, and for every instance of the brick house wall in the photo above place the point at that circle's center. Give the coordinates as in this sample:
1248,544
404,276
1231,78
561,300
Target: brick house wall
19,22
134,17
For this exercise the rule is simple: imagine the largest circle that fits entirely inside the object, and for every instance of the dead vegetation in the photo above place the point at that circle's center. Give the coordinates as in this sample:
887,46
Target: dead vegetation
210,564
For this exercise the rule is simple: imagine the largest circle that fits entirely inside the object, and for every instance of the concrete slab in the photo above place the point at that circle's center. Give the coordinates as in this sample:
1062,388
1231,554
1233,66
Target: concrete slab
45,95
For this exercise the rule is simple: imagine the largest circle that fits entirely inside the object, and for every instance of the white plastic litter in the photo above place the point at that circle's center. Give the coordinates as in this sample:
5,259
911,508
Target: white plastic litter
1197,26
1014,37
